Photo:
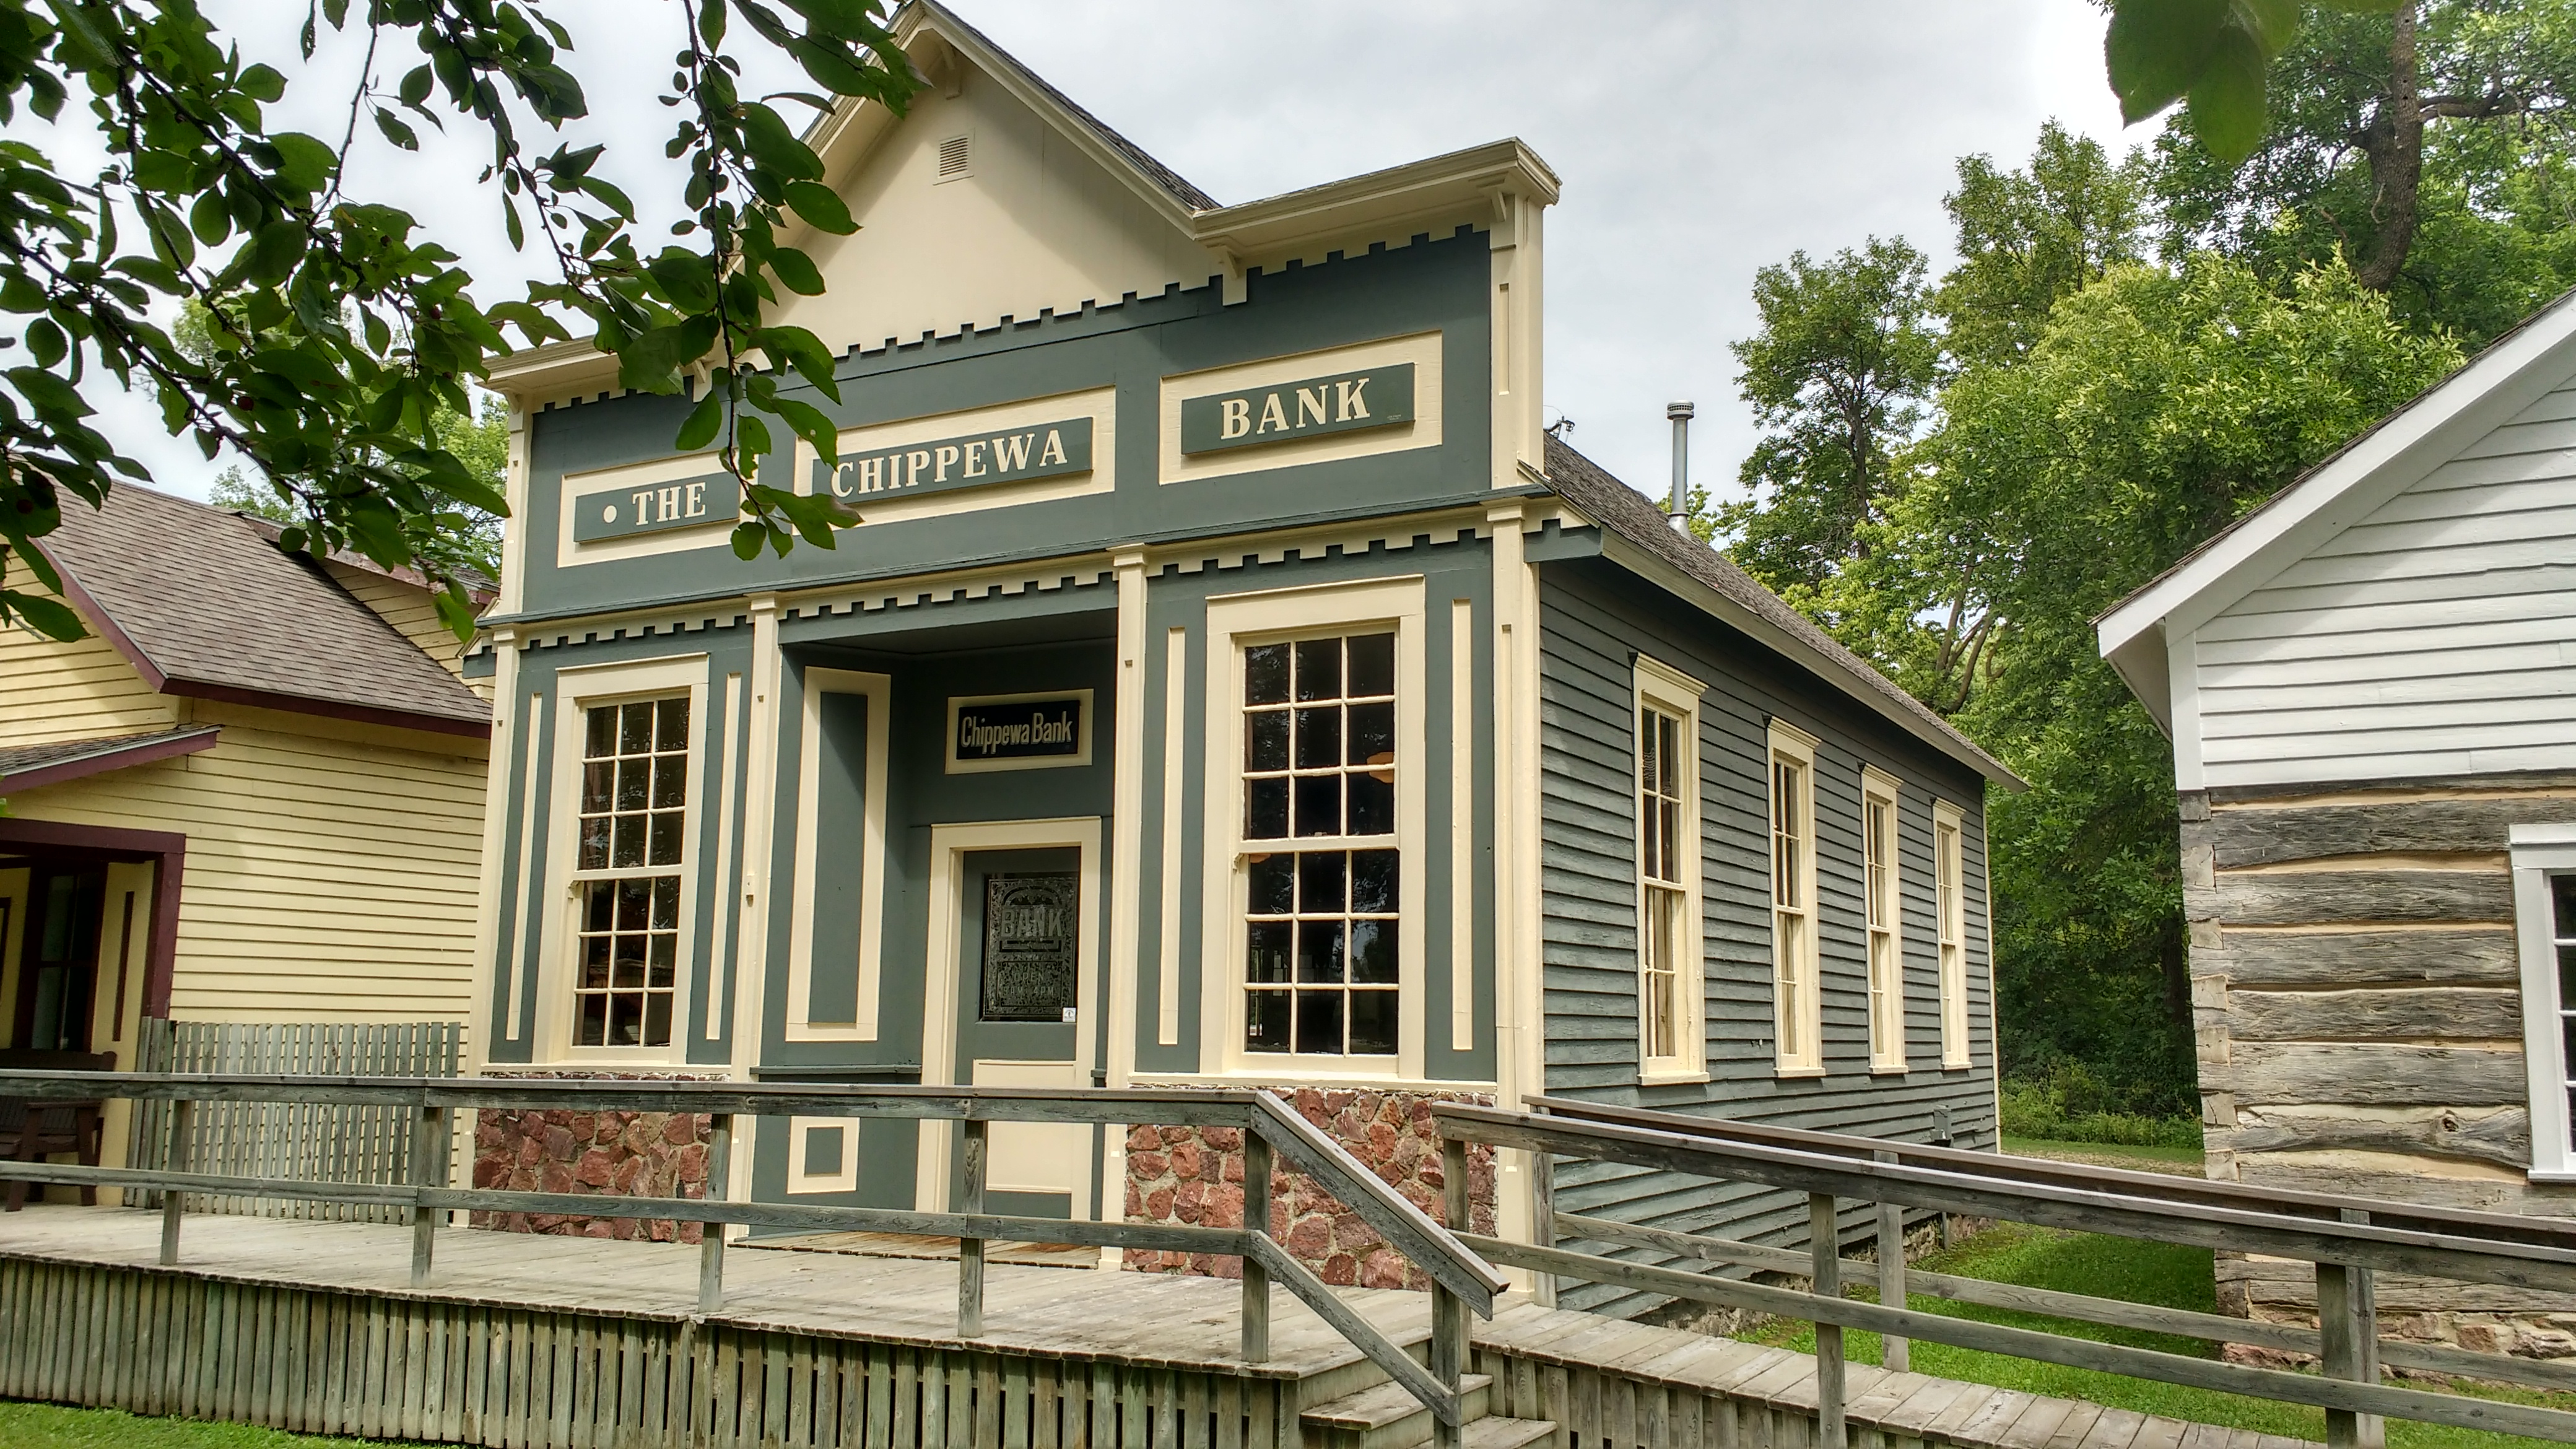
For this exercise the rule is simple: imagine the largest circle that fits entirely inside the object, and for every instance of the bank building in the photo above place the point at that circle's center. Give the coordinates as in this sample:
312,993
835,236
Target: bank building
1231,682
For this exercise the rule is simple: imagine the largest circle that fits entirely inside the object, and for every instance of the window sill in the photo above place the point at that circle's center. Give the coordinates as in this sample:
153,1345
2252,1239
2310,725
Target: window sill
1958,1066
2551,1174
1889,1069
1674,1078
1796,1073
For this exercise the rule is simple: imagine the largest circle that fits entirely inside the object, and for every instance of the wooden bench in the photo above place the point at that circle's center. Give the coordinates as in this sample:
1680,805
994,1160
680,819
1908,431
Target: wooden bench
35,1131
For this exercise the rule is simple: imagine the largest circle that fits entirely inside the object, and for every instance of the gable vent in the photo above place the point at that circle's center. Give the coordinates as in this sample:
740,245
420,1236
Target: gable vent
954,158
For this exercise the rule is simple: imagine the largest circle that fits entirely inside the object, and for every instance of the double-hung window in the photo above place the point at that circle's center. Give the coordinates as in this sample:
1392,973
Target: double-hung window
1796,963
2544,913
1950,921
1316,782
633,842
1882,901
1671,1040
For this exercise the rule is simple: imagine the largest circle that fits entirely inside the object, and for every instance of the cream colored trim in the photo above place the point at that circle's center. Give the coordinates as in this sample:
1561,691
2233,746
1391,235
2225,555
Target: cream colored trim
1082,756
583,688
16,886
1233,621
1127,822
708,535
1310,1079
1950,933
521,966
1878,786
726,805
1657,685
1520,1056
1098,404
1422,349
878,690
799,1181
514,542
943,960
1176,665
759,864
1795,746
1462,824
508,741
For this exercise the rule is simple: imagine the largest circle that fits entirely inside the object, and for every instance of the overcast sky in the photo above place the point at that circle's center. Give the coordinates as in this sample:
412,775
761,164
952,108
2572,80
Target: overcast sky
1696,142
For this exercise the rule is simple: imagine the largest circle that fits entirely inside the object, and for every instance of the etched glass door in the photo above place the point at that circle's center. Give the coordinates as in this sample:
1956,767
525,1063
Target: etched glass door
1019,942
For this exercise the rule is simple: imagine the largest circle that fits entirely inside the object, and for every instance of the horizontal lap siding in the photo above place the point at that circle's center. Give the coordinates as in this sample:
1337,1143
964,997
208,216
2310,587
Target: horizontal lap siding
2435,636
1591,625
413,613
329,877
82,690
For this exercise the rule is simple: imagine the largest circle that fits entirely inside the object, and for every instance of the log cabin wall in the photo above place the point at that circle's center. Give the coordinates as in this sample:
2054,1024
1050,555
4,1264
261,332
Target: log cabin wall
2358,1010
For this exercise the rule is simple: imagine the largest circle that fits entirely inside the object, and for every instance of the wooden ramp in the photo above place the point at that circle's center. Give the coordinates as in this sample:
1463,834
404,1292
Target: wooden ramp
581,1343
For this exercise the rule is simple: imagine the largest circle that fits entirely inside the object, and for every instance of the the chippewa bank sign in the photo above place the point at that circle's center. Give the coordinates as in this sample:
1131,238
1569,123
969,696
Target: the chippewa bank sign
1042,450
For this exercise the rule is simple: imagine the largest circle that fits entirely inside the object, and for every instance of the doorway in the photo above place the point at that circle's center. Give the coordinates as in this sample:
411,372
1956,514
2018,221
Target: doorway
58,958
1014,933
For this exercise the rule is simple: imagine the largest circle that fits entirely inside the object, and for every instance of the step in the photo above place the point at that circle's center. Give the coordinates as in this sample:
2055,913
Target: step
1506,1433
1387,1416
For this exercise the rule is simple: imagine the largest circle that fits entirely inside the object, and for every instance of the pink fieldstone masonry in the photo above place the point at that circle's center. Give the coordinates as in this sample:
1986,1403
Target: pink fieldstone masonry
1195,1175
639,1154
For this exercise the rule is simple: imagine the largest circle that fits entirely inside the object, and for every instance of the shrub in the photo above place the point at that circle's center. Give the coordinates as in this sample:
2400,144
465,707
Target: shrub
2065,1106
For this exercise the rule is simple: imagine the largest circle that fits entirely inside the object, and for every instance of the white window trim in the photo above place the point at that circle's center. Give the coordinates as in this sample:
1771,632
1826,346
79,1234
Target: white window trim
1879,787
1660,687
1235,621
2539,852
1953,980
580,689
846,1179
1791,743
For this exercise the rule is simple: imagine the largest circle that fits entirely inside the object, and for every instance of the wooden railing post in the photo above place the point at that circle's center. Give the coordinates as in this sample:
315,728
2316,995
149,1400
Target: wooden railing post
1895,1355
1256,1219
1824,1242
2348,1335
711,1235
1449,1352
1543,1221
183,1124
429,1149
970,1251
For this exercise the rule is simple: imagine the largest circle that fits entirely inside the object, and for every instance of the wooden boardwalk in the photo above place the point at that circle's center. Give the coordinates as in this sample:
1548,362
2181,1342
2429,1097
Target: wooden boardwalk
843,1348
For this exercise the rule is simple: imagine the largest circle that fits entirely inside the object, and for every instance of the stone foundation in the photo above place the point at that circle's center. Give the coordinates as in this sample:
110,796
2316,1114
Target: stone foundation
638,1154
1194,1175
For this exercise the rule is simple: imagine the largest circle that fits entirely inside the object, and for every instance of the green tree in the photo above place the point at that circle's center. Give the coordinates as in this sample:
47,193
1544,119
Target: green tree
1838,375
2155,407
2430,145
341,334
2029,237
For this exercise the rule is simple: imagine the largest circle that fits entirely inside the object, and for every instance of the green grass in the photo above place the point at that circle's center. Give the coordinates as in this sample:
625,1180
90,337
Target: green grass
47,1426
2112,1152
2107,1267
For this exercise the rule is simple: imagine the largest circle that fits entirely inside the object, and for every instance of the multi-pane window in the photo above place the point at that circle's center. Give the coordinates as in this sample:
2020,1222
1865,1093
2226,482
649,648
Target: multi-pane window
2562,950
1886,946
1322,869
1795,964
1663,770
1950,913
634,831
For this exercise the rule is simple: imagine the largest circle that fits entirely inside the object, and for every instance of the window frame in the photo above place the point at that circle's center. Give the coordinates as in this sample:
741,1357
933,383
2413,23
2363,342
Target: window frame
1794,746
581,690
1950,933
1236,622
2540,853
1659,687
1882,894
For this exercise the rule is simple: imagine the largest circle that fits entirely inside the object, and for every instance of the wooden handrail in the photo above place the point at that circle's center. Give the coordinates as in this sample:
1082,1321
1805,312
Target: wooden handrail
1454,1268
2345,1238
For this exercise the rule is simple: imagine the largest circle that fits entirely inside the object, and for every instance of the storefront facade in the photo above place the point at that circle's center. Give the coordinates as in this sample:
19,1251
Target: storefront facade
1176,714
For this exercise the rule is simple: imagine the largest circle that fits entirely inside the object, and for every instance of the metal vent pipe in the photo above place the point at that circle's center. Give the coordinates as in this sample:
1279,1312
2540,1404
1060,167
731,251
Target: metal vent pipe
1680,413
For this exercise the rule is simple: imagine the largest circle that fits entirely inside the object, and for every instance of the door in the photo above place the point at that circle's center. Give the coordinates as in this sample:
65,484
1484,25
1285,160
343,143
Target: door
1018,982
58,959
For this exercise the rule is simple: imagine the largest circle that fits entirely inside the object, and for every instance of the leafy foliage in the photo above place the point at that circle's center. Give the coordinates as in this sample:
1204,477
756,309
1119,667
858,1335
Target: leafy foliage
1839,372
2213,55
339,338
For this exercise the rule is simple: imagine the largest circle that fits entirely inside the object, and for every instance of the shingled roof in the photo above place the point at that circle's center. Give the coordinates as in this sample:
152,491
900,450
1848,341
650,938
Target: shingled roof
1629,514
203,604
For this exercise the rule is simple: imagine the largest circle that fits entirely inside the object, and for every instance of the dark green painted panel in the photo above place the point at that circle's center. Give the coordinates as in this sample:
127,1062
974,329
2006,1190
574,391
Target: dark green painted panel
887,1148
840,808
974,460
1311,407
698,502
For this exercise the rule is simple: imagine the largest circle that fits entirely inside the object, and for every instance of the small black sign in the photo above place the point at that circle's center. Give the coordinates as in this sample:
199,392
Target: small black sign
1000,731
1032,942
